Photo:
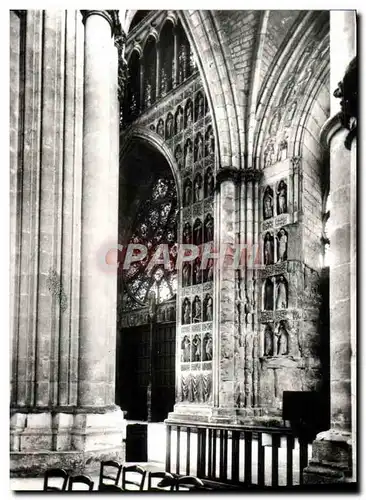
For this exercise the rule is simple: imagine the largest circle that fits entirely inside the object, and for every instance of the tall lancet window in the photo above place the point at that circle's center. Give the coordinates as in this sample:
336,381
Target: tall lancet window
132,97
185,56
167,56
149,72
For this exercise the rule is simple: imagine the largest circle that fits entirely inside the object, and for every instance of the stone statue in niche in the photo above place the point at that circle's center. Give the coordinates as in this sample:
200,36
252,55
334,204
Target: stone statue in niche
196,396
188,153
200,106
268,295
282,148
210,142
281,293
208,308
196,348
197,232
269,154
160,127
197,273
196,310
275,123
209,228
268,203
208,183
187,233
169,126
199,147
207,347
198,188
290,113
268,341
282,198
187,193
282,245
188,113
179,156
179,120
304,80
209,270
282,340
186,274
186,311
268,249
186,349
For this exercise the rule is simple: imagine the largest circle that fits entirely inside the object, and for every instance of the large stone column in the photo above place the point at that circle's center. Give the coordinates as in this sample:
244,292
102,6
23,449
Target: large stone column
333,458
64,198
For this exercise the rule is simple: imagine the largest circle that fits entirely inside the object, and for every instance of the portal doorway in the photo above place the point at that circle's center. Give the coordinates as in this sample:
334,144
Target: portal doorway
147,285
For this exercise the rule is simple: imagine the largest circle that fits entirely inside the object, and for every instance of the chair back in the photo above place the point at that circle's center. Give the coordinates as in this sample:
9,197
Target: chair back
110,471
188,483
133,477
80,479
167,483
55,473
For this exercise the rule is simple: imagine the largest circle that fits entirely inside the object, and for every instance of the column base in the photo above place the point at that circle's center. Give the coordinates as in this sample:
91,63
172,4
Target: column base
76,439
331,460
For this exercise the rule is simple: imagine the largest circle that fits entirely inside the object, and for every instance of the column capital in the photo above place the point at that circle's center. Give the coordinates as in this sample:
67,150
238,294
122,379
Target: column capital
347,91
110,15
227,174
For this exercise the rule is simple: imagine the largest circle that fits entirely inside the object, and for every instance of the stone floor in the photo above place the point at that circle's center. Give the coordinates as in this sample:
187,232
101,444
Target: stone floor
156,461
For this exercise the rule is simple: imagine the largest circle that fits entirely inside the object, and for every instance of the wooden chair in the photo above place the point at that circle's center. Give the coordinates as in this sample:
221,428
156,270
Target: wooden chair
189,483
132,471
109,487
167,483
55,473
111,475
80,479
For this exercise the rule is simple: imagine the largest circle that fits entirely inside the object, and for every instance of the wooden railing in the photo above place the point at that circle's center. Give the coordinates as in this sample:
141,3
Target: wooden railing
242,455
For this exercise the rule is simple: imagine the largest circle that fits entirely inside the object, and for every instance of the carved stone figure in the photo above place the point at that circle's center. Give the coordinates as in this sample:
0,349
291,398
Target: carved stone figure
148,95
208,308
282,245
188,158
281,293
186,349
282,340
210,142
187,193
196,348
209,228
186,311
200,110
287,90
209,183
282,198
268,341
268,203
282,149
290,113
273,128
186,274
268,295
197,232
187,233
209,270
160,128
179,121
189,114
199,148
196,310
269,153
179,156
207,347
197,272
169,126
268,249
197,186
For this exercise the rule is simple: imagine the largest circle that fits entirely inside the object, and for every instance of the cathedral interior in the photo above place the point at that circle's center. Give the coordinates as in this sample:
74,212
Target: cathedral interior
230,134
